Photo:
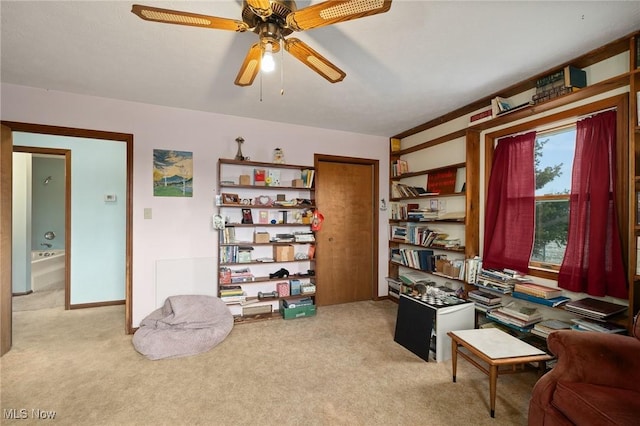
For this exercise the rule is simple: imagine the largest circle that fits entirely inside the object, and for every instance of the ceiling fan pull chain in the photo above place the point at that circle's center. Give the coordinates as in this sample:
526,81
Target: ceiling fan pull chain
281,65
260,86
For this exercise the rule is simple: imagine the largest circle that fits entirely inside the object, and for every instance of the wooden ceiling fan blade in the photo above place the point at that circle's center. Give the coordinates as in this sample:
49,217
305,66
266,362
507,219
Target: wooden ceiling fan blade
331,12
262,8
169,16
314,60
250,67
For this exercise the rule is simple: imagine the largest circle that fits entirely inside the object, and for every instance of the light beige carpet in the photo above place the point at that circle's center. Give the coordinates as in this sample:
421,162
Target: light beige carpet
340,367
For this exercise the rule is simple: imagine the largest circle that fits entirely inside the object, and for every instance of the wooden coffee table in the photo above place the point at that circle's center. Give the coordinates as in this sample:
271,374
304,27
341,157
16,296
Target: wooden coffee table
495,348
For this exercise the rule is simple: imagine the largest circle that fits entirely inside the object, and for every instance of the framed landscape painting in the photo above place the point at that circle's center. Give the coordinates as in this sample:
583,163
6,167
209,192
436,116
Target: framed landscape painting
172,173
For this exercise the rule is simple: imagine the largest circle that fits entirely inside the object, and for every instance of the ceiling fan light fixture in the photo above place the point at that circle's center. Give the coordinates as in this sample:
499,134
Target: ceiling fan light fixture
267,64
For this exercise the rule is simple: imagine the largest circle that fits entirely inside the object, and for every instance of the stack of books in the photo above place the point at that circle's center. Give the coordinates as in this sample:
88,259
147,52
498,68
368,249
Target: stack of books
241,276
594,308
537,293
567,80
304,237
232,294
543,328
521,317
422,215
485,301
583,324
501,282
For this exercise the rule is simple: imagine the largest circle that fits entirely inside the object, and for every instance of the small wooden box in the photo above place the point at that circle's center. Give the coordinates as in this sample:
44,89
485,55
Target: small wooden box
244,180
296,183
261,237
283,253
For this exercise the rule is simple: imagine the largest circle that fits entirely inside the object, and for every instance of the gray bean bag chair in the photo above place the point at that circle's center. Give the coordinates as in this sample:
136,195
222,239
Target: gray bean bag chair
185,325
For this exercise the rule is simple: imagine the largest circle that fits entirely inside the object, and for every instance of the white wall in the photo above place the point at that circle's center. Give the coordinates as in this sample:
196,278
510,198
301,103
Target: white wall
21,232
181,227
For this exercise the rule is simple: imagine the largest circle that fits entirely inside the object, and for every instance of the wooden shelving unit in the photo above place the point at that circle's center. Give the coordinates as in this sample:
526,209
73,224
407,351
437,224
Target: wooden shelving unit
250,197
629,201
470,195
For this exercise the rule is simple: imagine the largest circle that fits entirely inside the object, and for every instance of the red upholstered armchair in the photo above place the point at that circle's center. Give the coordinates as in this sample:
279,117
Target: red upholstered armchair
596,380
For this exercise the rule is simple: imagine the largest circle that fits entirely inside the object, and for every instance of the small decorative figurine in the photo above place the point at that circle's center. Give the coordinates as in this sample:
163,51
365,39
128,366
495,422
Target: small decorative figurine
278,156
239,155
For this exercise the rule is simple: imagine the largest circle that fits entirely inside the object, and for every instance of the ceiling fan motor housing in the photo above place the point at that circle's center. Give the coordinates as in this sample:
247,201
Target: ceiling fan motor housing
280,9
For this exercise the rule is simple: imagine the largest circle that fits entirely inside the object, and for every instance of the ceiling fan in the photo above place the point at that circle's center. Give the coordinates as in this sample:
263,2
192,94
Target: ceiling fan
273,20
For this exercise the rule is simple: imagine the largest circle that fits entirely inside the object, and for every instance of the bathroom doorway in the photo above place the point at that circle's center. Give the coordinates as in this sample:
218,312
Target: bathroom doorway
41,228
89,138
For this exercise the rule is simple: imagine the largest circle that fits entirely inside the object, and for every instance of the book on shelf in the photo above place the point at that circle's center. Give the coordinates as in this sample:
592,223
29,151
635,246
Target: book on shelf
520,311
487,298
504,318
481,116
594,308
307,177
399,167
599,326
442,181
553,302
538,290
395,145
545,327
570,76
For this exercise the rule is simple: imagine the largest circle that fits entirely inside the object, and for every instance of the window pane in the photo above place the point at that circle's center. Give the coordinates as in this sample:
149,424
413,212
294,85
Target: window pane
554,154
554,160
552,225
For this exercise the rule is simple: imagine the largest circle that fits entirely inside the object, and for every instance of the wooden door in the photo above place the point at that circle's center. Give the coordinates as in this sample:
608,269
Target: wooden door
347,244
6,179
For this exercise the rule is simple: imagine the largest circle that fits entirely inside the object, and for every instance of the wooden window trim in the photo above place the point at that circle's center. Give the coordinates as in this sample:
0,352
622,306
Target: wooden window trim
620,102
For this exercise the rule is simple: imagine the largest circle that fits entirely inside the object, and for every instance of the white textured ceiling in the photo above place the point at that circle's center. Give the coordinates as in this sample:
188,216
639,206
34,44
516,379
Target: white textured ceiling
404,67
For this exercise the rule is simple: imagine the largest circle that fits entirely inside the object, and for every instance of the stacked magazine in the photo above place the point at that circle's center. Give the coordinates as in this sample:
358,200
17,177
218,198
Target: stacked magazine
516,315
485,301
594,308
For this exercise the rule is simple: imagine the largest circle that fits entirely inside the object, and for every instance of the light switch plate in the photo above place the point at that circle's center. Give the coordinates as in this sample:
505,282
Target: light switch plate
147,213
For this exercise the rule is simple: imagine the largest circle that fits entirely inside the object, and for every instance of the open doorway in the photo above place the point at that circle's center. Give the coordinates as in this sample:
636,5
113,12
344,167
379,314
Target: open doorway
87,137
41,199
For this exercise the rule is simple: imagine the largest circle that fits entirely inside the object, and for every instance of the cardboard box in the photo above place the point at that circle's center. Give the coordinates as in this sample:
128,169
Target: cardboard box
244,180
283,253
261,237
298,312
296,183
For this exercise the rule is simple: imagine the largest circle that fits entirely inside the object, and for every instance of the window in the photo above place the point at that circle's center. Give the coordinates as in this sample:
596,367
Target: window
554,152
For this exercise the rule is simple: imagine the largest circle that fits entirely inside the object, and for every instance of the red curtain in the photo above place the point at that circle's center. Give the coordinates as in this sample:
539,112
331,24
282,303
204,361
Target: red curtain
510,212
592,261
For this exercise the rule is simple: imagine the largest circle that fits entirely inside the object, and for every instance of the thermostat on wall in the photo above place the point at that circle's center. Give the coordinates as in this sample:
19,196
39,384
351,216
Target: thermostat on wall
110,198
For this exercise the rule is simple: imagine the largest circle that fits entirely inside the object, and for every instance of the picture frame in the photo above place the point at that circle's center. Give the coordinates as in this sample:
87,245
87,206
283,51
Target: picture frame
228,198
246,216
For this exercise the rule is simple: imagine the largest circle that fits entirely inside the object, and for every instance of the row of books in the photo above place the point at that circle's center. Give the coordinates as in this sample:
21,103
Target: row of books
420,235
399,167
227,235
567,80
423,259
402,190
307,177
235,254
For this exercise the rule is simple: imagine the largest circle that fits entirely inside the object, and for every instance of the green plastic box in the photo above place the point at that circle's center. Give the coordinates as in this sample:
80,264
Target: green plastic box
298,312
